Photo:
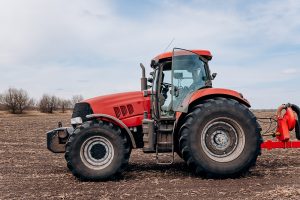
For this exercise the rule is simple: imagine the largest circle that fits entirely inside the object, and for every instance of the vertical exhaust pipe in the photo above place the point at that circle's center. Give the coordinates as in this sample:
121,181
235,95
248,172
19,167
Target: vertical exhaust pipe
143,79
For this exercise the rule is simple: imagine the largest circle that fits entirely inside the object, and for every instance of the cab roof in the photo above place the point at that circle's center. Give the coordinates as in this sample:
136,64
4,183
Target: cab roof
166,55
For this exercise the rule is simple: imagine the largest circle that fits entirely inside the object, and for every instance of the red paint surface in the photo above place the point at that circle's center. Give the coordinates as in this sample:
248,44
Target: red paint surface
106,104
285,124
280,145
165,55
209,93
218,92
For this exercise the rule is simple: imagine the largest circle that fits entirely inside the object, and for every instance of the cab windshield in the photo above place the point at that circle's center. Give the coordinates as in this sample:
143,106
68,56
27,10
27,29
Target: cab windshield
190,73
175,81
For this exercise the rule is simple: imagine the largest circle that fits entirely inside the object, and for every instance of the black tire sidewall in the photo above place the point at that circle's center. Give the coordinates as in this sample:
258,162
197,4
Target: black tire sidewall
239,114
83,170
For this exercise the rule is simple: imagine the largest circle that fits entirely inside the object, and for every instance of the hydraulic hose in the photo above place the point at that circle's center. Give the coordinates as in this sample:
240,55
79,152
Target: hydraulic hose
297,128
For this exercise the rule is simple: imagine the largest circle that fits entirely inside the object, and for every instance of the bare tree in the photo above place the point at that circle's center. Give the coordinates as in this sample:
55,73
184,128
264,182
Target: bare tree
16,100
48,103
1,102
64,104
76,99
9,100
23,101
44,103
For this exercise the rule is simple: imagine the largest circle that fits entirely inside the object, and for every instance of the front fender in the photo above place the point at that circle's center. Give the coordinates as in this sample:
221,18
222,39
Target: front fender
117,121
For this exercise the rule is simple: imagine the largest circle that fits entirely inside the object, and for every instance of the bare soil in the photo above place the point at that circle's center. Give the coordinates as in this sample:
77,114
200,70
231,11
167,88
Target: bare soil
29,171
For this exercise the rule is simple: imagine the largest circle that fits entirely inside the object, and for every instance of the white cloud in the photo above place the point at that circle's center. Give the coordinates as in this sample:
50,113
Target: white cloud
290,71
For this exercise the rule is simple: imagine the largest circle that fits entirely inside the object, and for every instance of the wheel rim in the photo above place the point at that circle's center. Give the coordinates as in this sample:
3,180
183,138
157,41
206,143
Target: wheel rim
223,139
97,152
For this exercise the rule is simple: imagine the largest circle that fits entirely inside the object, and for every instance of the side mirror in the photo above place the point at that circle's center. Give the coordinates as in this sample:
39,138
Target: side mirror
150,80
153,63
213,76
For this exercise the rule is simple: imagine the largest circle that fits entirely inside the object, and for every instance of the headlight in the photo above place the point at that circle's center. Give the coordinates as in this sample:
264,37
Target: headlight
76,120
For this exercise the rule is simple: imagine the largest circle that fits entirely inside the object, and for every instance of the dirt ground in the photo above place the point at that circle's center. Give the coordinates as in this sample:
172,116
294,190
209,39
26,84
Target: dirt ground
29,171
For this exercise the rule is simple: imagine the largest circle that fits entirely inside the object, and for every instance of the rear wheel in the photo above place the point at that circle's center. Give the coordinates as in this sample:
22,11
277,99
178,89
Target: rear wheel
97,151
221,138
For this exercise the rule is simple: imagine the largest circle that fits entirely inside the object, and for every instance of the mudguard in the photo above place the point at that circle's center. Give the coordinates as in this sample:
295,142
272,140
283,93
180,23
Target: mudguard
209,93
214,92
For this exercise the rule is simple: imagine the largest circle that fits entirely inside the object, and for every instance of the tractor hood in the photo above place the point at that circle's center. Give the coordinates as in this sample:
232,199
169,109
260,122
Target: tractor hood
120,105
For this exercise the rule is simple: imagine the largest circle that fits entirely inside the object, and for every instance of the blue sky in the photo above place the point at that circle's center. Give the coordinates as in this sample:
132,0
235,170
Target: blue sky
92,47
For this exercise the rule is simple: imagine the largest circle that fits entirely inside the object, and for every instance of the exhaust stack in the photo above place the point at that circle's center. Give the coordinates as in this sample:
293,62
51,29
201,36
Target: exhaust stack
143,79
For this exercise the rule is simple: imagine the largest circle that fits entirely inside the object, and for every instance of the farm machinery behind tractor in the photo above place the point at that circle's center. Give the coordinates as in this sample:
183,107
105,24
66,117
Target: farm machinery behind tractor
180,112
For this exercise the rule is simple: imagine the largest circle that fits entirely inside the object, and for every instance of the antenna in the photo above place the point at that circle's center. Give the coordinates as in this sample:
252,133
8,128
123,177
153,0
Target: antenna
169,45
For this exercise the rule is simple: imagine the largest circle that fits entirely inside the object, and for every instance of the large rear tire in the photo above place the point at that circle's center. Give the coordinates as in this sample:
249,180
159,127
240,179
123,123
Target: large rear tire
220,138
97,151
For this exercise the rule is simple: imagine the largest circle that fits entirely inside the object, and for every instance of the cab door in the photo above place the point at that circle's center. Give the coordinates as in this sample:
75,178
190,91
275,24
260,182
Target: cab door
188,75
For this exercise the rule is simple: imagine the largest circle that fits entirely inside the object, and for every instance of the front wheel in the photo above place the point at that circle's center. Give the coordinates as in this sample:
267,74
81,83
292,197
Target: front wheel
221,138
97,151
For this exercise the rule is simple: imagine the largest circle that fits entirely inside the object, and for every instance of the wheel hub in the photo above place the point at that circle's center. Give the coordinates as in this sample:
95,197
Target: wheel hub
222,139
97,152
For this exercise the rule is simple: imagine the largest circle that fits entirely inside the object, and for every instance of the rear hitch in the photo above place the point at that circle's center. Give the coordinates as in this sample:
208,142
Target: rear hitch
57,138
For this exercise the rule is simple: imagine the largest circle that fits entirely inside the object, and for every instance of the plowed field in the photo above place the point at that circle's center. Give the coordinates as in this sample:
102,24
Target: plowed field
29,171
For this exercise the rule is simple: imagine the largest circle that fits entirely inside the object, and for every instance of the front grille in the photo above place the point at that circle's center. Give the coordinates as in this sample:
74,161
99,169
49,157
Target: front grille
82,110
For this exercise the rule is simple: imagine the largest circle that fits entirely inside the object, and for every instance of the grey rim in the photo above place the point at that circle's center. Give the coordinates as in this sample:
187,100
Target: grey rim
97,152
223,139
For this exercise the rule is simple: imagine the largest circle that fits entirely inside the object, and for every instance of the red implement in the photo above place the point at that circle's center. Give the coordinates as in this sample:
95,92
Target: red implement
285,123
280,145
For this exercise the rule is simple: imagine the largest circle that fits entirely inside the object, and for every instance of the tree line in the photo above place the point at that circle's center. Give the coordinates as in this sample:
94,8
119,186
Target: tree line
16,101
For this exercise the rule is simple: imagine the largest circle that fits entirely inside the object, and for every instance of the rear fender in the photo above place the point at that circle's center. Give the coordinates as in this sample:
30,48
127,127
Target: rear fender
208,93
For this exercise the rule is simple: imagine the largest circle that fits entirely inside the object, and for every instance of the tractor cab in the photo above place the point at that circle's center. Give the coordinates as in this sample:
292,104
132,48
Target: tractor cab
176,77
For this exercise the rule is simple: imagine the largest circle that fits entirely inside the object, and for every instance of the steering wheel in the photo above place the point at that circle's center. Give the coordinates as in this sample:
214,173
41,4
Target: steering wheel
167,84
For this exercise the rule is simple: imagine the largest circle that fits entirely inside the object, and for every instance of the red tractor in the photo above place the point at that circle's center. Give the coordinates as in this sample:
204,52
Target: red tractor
212,129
